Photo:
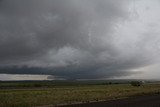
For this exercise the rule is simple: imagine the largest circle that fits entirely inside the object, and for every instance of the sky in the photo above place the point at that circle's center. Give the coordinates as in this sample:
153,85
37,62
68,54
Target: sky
79,39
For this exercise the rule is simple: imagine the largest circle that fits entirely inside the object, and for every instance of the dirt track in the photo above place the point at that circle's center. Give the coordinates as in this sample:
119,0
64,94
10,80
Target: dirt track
143,101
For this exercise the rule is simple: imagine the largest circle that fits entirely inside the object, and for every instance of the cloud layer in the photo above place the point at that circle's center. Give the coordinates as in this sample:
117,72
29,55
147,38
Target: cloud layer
74,39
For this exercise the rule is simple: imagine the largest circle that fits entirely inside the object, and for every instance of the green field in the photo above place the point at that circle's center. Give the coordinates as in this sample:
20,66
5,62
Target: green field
27,94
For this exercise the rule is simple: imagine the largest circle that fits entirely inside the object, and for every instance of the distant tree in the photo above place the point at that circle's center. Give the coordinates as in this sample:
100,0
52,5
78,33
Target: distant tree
107,83
136,83
110,83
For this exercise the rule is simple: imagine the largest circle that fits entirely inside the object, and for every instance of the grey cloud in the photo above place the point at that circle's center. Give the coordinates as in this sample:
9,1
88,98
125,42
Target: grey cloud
32,26
66,38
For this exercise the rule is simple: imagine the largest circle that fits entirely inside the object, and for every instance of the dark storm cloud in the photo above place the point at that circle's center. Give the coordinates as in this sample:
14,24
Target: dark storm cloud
28,27
67,38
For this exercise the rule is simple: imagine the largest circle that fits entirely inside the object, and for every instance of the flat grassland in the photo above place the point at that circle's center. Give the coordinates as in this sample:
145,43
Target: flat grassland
44,93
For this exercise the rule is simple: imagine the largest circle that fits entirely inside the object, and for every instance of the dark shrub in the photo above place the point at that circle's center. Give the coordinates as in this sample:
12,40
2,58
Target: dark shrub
37,85
136,83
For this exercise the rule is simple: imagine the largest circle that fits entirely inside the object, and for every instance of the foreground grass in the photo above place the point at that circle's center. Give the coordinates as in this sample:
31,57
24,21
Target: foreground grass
70,94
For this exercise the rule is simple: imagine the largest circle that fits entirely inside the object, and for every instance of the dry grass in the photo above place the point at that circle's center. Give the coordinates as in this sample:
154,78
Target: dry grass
70,94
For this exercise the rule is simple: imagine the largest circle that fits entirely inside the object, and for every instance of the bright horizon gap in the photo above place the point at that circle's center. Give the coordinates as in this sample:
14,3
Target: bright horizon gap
19,77
23,77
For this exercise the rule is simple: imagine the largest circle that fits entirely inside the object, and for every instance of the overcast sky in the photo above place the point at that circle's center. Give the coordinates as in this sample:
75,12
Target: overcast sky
80,39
